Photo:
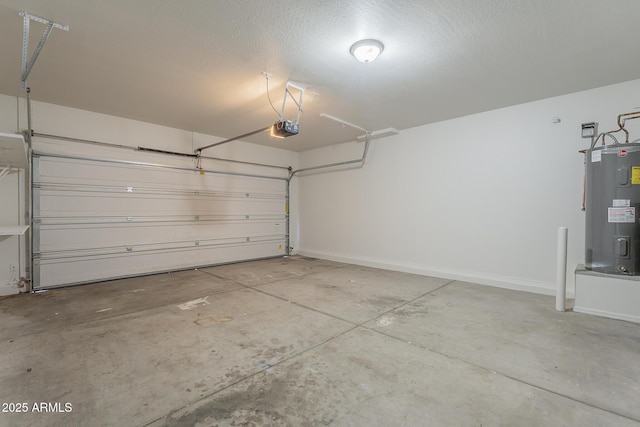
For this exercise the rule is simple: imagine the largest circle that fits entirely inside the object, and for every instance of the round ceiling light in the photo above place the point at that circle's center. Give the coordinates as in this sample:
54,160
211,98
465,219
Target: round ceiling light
366,50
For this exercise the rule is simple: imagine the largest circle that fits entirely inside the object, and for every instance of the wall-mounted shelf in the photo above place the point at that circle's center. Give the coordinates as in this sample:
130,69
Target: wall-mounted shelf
13,230
13,156
13,153
8,231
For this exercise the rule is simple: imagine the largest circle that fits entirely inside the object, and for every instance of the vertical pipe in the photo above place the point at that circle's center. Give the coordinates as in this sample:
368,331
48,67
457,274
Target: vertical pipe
28,90
287,249
29,196
561,269
22,258
583,206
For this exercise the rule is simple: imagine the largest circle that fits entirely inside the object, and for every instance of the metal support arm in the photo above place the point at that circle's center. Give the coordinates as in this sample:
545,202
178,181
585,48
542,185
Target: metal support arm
298,102
5,171
28,65
199,150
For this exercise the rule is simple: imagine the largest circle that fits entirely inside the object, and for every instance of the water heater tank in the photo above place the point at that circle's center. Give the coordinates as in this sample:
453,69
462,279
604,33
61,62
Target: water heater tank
613,209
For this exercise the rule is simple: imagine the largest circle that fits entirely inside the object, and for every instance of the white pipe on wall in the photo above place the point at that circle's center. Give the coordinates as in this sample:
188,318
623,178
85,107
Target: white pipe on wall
561,269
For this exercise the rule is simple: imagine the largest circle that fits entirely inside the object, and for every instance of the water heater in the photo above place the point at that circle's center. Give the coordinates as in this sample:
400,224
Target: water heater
613,209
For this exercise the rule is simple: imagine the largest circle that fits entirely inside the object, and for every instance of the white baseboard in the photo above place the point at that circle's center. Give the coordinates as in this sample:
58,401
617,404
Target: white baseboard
499,281
608,314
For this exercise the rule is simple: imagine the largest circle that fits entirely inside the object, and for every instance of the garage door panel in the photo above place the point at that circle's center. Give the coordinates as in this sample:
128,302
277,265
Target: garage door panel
177,246
86,269
75,204
72,171
96,220
72,236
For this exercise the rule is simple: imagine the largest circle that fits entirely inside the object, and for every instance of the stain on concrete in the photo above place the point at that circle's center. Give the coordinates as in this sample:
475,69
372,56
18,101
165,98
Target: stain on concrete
214,318
384,301
264,400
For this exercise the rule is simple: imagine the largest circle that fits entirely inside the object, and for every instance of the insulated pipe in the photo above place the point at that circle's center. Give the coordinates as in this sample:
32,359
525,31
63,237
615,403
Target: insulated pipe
603,134
561,269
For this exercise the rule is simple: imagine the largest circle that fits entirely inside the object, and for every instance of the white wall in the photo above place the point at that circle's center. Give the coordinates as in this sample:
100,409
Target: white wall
9,208
476,198
70,122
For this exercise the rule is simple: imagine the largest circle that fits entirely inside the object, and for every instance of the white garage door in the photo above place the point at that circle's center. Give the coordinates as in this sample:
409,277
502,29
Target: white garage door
98,219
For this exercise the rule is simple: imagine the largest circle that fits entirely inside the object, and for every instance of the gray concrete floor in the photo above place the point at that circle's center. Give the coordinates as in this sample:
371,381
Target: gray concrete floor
306,342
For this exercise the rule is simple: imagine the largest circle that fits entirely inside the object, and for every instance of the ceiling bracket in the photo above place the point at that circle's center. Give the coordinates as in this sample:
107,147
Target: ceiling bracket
28,65
298,102
284,127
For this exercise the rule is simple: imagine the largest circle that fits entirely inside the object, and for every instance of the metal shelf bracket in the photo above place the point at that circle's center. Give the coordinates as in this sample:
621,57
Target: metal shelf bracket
28,65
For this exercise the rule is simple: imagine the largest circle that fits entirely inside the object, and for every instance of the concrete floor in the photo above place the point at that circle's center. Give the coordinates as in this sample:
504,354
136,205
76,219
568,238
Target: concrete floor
306,342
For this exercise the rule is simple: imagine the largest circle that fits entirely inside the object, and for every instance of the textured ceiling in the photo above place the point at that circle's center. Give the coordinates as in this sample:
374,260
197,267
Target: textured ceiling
196,64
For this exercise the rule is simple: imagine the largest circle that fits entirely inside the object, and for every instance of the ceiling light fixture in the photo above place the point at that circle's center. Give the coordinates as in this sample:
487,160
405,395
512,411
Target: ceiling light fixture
366,50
